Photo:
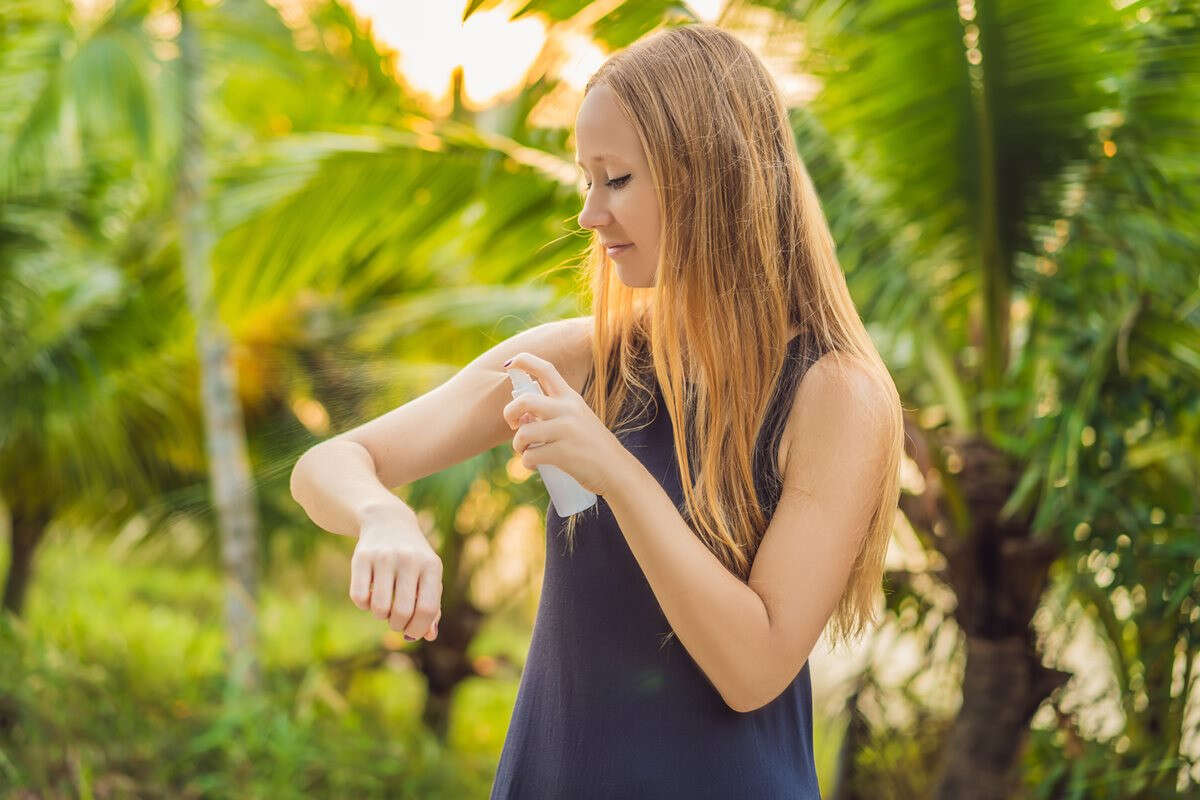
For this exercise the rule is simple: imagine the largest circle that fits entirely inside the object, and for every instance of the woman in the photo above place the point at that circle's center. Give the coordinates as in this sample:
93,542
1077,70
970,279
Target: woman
728,299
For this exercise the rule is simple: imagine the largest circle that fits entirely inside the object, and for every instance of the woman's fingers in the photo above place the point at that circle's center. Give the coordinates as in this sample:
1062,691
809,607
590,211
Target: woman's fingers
397,578
383,587
360,583
428,602
416,604
416,608
433,629
406,592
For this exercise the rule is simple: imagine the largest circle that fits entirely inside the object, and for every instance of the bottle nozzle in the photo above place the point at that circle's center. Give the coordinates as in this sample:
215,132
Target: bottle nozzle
520,379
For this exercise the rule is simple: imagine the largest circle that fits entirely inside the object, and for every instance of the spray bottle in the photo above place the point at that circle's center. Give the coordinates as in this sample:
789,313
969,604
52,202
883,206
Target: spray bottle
565,492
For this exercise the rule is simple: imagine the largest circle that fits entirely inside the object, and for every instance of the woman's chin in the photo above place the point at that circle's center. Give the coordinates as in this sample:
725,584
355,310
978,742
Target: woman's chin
633,278
630,276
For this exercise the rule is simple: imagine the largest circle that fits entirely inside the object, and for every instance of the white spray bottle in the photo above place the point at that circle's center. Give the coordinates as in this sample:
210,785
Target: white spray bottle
565,492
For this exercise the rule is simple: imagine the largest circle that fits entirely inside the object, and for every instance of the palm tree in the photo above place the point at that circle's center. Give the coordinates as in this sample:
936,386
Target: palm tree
66,310
225,434
407,224
1001,147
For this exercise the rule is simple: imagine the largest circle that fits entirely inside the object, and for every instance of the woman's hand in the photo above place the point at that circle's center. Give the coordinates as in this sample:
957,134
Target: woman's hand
396,574
560,428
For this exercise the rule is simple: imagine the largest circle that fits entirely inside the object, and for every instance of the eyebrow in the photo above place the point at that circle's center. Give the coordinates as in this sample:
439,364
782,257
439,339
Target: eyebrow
600,157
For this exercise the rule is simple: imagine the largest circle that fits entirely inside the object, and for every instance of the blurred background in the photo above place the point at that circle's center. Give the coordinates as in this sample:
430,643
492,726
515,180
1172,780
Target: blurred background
230,229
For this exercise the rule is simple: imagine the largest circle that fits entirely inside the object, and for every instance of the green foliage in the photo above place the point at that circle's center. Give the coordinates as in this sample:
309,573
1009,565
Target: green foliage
1059,765
114,686
900,763
365,251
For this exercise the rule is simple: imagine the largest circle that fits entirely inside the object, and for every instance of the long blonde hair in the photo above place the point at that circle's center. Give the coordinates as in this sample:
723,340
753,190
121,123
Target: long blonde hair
745,255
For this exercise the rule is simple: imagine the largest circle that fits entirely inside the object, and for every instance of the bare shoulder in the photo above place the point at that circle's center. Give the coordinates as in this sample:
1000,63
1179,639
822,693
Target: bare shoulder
837,390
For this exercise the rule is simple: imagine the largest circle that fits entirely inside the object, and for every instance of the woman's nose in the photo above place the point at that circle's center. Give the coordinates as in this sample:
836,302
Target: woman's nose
592,215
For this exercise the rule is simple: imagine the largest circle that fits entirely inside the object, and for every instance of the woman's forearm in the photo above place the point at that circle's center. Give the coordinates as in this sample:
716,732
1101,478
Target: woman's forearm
721,621
336,485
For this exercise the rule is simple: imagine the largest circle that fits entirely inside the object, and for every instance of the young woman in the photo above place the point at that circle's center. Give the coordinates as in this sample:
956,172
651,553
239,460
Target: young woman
670,651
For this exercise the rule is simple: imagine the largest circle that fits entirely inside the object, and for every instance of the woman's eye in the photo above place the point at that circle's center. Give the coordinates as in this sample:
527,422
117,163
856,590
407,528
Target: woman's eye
615,183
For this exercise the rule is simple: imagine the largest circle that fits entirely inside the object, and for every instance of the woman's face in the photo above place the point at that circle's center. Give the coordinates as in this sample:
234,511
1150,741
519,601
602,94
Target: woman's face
621,205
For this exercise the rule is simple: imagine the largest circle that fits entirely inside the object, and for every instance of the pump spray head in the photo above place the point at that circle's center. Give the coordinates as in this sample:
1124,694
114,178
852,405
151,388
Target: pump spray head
521,380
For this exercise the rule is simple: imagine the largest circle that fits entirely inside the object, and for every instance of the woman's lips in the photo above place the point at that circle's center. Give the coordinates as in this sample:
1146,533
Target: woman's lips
613,249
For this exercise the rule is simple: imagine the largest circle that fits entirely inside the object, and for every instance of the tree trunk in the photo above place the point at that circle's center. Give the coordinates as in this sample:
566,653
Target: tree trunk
445,664
1004,684
225,437
856,737
28,528
998,571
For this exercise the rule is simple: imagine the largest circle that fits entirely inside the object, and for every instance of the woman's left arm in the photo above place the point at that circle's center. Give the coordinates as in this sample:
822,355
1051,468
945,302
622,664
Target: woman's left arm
750,639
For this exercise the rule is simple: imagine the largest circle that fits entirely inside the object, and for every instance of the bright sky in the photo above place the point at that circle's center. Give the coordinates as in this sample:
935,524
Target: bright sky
431,40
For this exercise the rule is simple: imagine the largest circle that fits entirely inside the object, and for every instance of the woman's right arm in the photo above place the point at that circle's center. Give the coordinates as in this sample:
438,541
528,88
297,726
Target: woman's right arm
342,483
339,479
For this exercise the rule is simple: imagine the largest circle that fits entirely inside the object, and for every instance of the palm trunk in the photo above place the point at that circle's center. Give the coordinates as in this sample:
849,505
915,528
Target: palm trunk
445,664
1004,684
225,437
856,737
28,528
998,571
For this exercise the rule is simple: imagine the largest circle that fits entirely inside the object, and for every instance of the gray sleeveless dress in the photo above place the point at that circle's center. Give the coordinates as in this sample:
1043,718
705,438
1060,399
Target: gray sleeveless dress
606,709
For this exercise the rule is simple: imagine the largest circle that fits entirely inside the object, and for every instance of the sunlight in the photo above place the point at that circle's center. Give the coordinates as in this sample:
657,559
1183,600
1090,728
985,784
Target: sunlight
430,40
496,54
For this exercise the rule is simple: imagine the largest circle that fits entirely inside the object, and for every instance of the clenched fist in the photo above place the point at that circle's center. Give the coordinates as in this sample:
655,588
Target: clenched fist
396,575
